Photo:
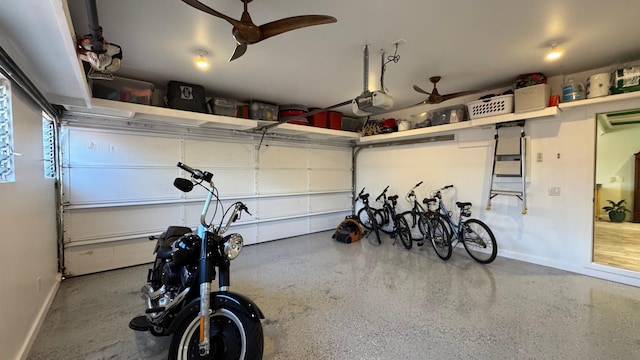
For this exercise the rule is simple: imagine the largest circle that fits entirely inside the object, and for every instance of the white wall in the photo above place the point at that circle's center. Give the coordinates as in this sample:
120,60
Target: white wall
557,231
28,222
615,168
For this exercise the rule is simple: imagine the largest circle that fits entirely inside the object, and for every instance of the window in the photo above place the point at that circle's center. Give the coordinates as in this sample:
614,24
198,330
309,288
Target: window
48,147
7,170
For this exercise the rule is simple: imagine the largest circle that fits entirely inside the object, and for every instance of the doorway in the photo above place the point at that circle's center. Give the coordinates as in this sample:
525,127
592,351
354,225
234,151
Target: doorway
617,244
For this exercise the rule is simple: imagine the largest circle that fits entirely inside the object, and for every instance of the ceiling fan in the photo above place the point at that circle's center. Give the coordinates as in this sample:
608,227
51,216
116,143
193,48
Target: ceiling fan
435,97
246,32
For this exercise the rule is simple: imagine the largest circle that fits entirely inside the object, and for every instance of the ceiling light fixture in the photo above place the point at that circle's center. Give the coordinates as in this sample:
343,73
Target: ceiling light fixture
555,52
201,62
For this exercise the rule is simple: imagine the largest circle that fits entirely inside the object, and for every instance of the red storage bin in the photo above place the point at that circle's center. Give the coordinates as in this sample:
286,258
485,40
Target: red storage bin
335,120
319,119
294,110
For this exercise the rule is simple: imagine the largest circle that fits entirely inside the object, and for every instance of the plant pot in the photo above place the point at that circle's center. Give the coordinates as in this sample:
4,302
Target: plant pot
617,216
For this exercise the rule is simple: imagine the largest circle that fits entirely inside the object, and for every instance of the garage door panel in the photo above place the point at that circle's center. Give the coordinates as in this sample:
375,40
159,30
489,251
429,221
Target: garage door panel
274,230
270,208
283,157
329,159
326,221
329,179
282,181
87,147
329,202
206,155
81,224
229,182
103,185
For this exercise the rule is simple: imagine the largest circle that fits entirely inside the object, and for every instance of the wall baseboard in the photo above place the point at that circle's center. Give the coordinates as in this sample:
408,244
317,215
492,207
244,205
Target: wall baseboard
35,328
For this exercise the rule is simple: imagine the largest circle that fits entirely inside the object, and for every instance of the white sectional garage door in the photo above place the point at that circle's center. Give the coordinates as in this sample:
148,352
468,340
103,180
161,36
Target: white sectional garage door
118,190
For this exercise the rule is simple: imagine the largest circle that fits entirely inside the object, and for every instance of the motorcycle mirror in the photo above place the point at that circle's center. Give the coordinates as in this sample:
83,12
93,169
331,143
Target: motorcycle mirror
184,185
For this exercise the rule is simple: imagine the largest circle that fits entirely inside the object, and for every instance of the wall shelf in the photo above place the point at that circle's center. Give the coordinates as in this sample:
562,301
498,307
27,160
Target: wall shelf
111,108
600,100
447,128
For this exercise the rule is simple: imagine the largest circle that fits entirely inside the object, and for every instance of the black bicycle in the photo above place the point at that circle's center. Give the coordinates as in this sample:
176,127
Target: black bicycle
475,235
367,218
431,227
390,221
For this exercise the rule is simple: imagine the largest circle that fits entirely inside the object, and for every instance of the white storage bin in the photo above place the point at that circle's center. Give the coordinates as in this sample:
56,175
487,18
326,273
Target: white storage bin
496,105
531,98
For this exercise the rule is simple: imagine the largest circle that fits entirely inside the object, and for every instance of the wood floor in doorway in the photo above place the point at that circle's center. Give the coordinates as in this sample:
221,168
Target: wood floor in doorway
617,244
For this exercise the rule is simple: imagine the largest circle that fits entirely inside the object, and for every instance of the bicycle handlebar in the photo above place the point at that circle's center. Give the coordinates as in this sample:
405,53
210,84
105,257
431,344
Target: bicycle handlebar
384,192
361,192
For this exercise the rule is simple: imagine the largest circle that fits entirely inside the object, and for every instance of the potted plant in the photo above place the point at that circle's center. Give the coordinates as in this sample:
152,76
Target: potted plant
616,210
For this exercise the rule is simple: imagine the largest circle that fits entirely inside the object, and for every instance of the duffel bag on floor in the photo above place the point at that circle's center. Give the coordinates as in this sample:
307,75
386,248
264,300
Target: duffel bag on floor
348,231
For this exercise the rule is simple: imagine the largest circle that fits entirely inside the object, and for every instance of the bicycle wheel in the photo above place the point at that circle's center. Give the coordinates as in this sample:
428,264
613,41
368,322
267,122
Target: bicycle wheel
440,238
370,223
363,218
479,241
403,231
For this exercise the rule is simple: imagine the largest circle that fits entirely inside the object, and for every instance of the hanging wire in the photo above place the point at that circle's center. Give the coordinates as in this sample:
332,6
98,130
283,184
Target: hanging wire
395,58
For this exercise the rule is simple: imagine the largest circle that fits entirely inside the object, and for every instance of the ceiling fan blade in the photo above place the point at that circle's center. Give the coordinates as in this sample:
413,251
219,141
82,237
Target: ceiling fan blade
420,90
240,50
202,7
292,23
458,94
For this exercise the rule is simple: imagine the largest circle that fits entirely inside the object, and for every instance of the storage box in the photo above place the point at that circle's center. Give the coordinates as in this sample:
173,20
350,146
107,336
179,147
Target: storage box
352,124
319,119
446,115
184,96
625,80
263,111
531,98
123,89
496,105
335,120
224,107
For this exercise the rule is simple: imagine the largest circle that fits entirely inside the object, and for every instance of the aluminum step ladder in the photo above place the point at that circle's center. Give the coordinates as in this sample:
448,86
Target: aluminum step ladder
509,160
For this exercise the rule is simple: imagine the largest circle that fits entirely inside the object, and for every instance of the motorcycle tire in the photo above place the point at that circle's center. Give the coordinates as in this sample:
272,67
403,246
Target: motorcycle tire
234,336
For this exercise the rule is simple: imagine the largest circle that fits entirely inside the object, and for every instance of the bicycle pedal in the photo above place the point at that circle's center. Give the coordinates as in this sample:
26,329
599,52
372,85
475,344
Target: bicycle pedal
421,243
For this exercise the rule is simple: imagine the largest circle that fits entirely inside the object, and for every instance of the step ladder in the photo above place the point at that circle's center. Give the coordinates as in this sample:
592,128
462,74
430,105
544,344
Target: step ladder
509,160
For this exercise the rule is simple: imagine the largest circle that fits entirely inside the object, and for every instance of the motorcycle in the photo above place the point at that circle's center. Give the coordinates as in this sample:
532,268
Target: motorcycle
178,292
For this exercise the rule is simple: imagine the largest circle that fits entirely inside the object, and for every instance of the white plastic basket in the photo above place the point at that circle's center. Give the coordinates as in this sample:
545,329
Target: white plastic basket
496,105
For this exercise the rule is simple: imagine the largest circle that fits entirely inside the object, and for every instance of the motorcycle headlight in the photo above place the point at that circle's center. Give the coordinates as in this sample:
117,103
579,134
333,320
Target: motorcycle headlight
232,245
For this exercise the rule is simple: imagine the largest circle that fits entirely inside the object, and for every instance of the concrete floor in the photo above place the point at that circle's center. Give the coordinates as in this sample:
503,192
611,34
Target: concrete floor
327,300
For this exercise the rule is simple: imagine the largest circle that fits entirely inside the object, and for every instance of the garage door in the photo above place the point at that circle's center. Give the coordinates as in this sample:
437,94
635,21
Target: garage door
118,189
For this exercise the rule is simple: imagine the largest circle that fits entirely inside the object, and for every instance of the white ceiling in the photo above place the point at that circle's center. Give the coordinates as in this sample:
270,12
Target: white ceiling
471,44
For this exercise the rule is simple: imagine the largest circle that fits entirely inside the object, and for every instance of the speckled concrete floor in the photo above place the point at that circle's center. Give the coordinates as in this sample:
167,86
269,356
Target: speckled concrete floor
326,300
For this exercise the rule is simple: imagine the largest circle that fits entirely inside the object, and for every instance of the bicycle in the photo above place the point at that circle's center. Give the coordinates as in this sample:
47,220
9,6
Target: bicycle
475,235
393,223
367,217
431,227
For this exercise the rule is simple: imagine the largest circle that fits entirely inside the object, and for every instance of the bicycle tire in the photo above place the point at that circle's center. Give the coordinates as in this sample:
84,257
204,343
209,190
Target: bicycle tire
479,241
370,223
363,218
440,238
403,231
376,230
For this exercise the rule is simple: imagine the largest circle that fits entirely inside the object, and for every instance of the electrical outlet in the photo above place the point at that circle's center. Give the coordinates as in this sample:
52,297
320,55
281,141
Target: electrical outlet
554,191
539,157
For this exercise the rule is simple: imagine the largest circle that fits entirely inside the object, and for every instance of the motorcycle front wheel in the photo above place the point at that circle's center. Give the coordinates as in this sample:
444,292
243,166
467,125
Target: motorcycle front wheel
233,336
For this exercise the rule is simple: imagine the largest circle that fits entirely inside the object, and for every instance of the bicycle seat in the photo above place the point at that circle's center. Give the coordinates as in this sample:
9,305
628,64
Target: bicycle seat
428,200
364,196
463,204
393,197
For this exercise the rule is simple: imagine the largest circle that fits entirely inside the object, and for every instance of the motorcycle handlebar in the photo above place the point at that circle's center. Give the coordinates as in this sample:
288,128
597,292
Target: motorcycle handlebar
196,173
